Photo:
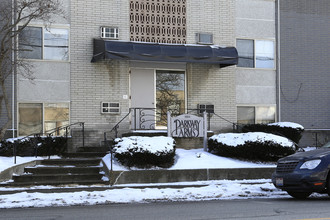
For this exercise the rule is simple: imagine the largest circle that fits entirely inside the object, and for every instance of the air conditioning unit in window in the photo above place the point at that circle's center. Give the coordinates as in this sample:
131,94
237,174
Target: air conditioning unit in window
204,38
110,108
205,108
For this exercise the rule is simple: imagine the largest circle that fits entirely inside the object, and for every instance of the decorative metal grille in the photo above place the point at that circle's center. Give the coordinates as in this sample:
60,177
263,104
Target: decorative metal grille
158,21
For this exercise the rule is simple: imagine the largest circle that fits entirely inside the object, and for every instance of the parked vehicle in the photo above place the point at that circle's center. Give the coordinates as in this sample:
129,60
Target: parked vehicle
303,173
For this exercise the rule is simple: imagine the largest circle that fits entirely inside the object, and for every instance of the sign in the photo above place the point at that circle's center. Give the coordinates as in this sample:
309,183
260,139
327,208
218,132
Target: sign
187,126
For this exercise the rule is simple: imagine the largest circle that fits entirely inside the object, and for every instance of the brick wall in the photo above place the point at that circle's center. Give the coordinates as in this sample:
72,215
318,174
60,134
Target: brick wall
92,83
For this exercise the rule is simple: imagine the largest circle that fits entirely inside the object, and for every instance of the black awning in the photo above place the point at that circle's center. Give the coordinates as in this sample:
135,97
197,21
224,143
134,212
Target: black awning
127,50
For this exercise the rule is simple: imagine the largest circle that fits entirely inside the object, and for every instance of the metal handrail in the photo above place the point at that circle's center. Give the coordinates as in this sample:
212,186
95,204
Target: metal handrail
49,133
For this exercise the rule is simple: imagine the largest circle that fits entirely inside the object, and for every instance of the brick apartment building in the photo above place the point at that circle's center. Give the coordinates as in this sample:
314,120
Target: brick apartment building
109,58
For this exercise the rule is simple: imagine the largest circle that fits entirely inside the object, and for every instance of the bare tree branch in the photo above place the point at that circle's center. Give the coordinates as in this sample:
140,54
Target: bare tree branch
13,20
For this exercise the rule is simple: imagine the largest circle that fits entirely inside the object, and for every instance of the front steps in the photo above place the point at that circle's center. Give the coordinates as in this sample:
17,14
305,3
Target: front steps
81,168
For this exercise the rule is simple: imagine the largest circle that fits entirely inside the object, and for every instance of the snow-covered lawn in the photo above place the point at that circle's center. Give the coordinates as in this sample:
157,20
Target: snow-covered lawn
6,162
185,159
197,159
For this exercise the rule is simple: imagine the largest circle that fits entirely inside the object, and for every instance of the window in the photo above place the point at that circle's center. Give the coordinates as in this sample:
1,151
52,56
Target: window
205,108
56,44
42,43
42,117
109,32
255,114
255,53
170,94
30,43
203,38
110,107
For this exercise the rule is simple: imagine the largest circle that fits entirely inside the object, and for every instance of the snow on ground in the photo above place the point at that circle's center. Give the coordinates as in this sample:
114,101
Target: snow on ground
6,162
131,193
186,159
196,159
215,190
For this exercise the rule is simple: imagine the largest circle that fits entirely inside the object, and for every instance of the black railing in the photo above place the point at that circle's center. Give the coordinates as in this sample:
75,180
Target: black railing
49,133
152,118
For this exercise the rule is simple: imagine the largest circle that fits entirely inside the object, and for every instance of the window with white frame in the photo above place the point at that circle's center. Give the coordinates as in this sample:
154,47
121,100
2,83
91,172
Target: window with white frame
42,43
255,53
255,114
109,32
110,108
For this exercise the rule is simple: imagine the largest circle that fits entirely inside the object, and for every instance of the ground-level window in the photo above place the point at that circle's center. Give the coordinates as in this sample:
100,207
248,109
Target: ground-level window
255,53
255,114
42,117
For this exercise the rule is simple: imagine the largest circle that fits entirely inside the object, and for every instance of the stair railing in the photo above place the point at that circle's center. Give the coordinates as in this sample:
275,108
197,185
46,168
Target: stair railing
107,143
49,133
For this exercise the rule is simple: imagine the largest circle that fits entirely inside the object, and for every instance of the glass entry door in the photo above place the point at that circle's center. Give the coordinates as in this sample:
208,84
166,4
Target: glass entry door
170,95
153,93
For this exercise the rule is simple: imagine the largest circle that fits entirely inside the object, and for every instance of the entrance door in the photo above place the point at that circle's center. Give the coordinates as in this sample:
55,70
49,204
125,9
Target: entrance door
143,98
153,93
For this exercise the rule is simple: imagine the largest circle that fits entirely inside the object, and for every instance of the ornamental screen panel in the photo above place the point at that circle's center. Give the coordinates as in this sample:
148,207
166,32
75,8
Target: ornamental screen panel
158,21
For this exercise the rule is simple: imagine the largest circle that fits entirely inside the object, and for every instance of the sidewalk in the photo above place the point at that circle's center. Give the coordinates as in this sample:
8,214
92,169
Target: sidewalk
143,193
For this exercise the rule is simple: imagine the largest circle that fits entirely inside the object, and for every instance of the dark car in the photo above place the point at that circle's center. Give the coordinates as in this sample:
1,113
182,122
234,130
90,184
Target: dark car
303,173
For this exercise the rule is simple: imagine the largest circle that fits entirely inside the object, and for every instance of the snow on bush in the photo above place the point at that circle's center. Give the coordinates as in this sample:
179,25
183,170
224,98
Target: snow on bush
235,139
287,125
155,145
257,146
145,152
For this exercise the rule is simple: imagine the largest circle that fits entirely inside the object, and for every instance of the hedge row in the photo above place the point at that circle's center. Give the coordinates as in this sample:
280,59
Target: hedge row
140,152
291,133
251,150
40,146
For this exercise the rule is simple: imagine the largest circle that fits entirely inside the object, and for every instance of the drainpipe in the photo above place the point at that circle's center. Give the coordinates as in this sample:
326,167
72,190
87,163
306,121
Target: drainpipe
279,60
14,71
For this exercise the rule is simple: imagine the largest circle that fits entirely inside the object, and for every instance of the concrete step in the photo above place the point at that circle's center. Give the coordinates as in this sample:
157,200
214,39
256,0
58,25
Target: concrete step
37,178
61,170
93,149
72,162
84,154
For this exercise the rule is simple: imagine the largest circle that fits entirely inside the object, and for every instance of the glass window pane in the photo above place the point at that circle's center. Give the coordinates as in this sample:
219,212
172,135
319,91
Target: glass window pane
30,43
30,118
56,43
56,53
265,114
265,54
245,51
56,115
245,115
170,94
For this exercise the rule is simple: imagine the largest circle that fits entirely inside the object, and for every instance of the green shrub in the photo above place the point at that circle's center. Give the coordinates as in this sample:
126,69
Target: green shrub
42,146
145,152
291,133
255,150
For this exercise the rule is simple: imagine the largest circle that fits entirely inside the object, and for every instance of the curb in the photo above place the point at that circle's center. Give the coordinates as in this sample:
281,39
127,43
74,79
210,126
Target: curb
68,189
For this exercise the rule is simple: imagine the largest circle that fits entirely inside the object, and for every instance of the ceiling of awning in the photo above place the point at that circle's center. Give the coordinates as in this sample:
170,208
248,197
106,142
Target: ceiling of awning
127,50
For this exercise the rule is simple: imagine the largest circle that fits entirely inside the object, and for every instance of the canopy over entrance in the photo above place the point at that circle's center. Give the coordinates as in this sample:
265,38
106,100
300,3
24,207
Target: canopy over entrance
127,50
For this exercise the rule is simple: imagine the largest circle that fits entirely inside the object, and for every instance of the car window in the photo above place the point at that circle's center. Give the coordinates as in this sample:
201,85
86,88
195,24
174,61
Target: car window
327,145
